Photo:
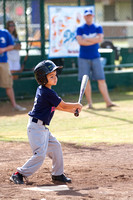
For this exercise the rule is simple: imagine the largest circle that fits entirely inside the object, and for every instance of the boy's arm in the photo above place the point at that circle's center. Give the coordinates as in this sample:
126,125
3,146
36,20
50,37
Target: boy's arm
69,107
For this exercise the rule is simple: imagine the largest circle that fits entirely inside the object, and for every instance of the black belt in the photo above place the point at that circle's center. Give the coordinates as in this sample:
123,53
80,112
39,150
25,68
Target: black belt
35,120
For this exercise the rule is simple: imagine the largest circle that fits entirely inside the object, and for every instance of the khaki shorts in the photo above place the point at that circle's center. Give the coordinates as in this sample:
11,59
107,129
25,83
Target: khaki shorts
93,68
6,80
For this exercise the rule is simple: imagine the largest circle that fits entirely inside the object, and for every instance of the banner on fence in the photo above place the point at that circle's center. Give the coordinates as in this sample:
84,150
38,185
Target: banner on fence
63,22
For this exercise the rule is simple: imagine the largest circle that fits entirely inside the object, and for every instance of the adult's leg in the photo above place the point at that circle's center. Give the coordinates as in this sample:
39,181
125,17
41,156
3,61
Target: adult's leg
98,74
88,94
10,94
84,66
6,82
104,91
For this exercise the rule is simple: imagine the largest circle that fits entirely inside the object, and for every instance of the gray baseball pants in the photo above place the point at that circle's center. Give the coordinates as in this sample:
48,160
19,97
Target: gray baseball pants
42,142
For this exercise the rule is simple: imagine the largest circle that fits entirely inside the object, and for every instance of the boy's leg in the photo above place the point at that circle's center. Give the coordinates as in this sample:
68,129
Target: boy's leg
54,151
38,139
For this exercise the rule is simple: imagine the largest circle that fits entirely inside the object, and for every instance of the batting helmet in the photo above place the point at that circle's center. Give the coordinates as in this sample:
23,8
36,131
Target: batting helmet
42,69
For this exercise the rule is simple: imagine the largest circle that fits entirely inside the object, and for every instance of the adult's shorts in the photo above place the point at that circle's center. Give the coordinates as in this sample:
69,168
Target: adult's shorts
6,80
92,68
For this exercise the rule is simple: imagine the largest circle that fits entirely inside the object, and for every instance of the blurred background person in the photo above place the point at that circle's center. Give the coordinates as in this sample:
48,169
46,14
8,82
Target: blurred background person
13,55
6,81
89,35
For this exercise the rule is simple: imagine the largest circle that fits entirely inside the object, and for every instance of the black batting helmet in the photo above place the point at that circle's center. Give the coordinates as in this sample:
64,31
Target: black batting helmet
42,69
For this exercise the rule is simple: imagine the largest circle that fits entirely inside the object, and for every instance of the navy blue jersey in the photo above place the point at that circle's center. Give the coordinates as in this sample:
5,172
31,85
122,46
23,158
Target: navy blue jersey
44,105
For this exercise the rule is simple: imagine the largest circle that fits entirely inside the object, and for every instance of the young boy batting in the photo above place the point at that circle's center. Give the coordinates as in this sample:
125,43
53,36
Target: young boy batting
42,142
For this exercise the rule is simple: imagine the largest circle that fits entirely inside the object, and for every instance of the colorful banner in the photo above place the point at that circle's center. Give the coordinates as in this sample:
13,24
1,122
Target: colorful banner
63,22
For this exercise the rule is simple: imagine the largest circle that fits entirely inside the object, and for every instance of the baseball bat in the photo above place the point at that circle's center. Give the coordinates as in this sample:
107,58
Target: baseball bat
84,81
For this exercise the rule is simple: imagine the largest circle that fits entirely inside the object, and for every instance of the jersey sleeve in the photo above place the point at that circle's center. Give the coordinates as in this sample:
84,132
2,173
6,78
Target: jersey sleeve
54,99
99,30
79,31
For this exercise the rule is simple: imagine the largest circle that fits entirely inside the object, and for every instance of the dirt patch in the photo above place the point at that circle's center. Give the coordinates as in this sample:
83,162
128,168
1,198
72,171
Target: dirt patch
98,172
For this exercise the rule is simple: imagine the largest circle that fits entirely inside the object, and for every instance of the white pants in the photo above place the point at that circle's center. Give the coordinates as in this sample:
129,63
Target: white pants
14,65
42,142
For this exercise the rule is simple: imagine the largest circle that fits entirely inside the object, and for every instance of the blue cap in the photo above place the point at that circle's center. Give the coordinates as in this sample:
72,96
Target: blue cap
88,12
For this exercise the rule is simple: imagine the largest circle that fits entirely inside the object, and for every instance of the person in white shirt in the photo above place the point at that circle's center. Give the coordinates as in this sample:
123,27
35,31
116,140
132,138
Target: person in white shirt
13,55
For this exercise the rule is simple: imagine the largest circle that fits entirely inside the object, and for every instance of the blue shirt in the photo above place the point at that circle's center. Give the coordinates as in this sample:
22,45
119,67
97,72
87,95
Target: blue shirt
5,40
44,105
86,31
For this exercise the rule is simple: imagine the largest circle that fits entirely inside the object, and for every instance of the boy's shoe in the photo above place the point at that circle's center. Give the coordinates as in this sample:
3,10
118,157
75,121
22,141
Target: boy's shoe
19,108
17,178
61,178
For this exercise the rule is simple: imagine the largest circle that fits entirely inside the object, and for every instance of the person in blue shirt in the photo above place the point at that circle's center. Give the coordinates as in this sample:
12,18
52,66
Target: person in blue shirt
7,44
41,140
89,35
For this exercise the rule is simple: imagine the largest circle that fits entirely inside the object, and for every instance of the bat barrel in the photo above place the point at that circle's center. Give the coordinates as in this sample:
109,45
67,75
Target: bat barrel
84,81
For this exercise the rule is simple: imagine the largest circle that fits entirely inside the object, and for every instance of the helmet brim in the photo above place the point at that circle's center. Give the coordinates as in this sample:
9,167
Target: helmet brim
55,68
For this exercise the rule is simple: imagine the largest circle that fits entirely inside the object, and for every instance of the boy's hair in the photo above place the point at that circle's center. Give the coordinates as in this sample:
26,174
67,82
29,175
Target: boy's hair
42,69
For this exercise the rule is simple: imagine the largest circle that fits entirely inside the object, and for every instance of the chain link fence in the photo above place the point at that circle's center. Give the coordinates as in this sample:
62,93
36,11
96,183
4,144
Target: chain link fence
116,17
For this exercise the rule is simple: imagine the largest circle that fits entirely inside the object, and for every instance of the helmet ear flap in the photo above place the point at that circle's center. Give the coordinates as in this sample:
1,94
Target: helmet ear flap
45,80
41,77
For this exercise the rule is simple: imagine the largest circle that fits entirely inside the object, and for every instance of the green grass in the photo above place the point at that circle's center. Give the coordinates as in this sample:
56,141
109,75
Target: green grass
92,126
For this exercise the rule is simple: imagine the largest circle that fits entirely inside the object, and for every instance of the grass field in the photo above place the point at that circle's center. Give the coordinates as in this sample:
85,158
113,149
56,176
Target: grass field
92,126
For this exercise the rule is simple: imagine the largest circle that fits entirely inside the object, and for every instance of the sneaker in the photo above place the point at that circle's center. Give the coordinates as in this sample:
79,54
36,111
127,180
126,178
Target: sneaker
17,178
61,178
19,108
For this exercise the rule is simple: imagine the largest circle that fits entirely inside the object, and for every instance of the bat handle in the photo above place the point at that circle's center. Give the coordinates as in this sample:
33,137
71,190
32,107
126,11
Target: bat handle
76,113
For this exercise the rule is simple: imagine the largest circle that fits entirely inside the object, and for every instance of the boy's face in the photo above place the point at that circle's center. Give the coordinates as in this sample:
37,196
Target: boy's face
52,79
